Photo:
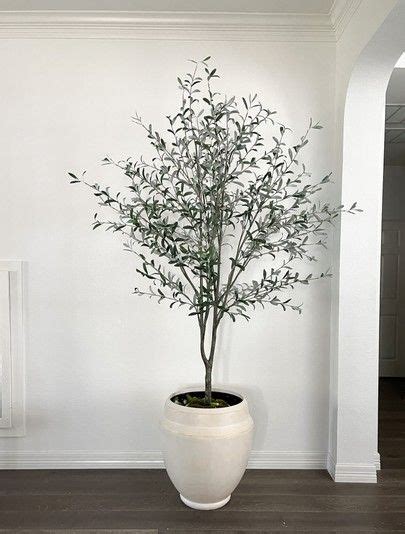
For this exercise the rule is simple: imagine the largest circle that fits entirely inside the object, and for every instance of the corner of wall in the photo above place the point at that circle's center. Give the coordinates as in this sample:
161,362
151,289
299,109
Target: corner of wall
365,473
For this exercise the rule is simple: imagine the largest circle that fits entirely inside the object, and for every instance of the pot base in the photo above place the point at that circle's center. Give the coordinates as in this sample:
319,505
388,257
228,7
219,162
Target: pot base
205,505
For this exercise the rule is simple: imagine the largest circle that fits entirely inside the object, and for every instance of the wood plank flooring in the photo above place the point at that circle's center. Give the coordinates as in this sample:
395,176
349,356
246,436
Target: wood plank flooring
144,501
392,423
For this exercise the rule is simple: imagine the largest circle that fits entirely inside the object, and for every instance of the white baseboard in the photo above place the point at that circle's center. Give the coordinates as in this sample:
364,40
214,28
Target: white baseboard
154,460
361,473
145,460
365,473
81,460
287,460
331,465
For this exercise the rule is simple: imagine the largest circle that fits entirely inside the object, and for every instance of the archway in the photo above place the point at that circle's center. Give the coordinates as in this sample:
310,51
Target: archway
353,453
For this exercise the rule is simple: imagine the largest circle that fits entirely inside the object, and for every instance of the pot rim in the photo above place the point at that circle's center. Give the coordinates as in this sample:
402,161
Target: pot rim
241,405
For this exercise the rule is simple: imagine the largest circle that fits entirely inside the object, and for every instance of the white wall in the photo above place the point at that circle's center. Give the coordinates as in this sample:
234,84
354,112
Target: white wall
366,56
100,362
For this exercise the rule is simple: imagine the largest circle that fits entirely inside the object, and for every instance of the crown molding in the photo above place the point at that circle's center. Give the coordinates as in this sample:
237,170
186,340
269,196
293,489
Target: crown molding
190,26
341,13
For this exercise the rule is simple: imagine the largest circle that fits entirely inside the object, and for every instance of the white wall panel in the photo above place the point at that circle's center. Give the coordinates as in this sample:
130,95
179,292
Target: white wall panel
12,417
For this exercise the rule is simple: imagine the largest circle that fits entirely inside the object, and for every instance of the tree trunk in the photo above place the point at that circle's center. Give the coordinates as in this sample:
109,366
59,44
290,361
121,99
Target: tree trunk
208,383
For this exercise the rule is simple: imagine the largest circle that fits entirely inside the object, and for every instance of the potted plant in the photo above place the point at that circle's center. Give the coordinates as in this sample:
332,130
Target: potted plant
216,199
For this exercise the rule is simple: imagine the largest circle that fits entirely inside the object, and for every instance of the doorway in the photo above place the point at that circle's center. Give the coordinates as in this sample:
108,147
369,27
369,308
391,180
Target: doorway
392,294
353,432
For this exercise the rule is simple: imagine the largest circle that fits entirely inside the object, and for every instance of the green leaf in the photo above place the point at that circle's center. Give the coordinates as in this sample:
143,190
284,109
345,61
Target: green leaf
220,201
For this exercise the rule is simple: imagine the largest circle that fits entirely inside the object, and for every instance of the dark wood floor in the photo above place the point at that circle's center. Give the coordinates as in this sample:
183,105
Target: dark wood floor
392,423
143,501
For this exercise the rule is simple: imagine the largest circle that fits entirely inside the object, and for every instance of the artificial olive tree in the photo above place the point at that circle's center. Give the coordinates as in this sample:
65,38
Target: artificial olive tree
214,199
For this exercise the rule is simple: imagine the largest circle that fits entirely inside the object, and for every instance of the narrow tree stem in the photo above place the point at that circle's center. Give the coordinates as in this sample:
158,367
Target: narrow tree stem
209,361
208,383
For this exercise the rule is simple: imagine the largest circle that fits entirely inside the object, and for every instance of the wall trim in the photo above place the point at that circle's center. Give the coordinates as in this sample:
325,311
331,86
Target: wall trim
341,13
177,25
12,331
357,473
331,465
145,460
365,473
67,459
287,460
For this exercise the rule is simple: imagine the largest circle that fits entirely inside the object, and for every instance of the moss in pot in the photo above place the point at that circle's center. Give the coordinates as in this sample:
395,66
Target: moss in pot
198,399
224,218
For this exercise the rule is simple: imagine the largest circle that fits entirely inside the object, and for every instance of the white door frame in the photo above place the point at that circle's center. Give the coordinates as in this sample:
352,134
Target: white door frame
353,455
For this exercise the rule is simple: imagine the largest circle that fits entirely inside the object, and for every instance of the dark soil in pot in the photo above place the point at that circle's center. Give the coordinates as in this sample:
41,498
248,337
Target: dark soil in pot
196,399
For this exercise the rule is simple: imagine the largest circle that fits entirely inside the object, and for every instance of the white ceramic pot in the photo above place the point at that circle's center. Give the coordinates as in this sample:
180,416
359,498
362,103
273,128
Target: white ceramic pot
206,450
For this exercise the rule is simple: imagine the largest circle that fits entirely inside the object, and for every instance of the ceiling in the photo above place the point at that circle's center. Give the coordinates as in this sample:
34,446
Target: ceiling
236,6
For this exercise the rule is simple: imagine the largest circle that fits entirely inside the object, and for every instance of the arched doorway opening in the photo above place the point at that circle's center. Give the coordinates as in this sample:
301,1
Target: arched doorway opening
391,424
353,454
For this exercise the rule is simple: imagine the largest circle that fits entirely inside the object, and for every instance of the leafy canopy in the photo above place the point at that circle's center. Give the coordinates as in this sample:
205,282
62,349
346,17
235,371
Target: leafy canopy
214,199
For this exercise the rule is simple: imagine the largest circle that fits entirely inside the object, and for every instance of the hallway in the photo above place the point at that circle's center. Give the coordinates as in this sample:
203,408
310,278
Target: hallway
392,424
